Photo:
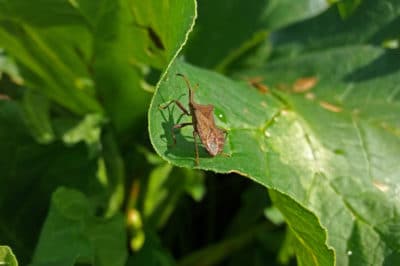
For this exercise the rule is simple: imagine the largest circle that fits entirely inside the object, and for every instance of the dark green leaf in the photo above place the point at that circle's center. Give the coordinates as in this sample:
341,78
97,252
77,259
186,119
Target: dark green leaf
87,55
226,29
36,109
73,234
29,174
372,22
347,7
132,38
46,56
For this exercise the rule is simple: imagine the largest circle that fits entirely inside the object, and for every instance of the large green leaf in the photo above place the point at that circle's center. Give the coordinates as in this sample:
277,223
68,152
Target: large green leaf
73,234
335,154
29,174
87,55
331,145
372,22
139,38
353,147
227,29
51,51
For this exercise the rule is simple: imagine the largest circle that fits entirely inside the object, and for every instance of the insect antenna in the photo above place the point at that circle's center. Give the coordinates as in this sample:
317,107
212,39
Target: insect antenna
188,85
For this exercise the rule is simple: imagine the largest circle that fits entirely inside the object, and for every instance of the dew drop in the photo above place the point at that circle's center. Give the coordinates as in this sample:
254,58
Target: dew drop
220,115
349,253
267,134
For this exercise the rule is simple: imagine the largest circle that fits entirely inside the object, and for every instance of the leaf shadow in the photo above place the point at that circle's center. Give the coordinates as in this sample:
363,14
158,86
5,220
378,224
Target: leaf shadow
386,64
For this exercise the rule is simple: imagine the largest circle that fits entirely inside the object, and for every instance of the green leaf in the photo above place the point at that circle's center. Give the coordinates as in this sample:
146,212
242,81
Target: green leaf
48,57
40,13
36,109
347,7
372,22
310,236
87,55
231,113
274,215
9,67
7,257
29,174
88,130
333,150
73,234
227,29
132,38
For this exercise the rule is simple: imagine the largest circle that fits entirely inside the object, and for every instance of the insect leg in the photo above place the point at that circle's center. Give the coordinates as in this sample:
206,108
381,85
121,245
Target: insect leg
225,132
179,104
176,127
196,148
225,135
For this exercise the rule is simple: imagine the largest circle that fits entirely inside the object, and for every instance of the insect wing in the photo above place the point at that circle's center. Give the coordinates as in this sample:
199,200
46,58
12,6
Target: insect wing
211,136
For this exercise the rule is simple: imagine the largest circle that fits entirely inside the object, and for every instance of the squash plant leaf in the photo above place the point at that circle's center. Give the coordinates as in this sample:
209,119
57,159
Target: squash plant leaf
73,234
30,172
322,135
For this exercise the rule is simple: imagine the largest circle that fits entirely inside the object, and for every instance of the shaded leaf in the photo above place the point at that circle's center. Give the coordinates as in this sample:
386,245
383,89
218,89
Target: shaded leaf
45,57
72,234
372,22
87,55
30,173
36,109
347,7
227,29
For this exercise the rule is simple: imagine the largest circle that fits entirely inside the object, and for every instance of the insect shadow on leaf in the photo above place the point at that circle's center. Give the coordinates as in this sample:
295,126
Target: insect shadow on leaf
167,125
204,127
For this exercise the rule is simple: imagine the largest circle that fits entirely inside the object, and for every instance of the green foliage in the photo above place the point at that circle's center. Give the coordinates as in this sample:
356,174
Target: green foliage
71,220
306,90
7,257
